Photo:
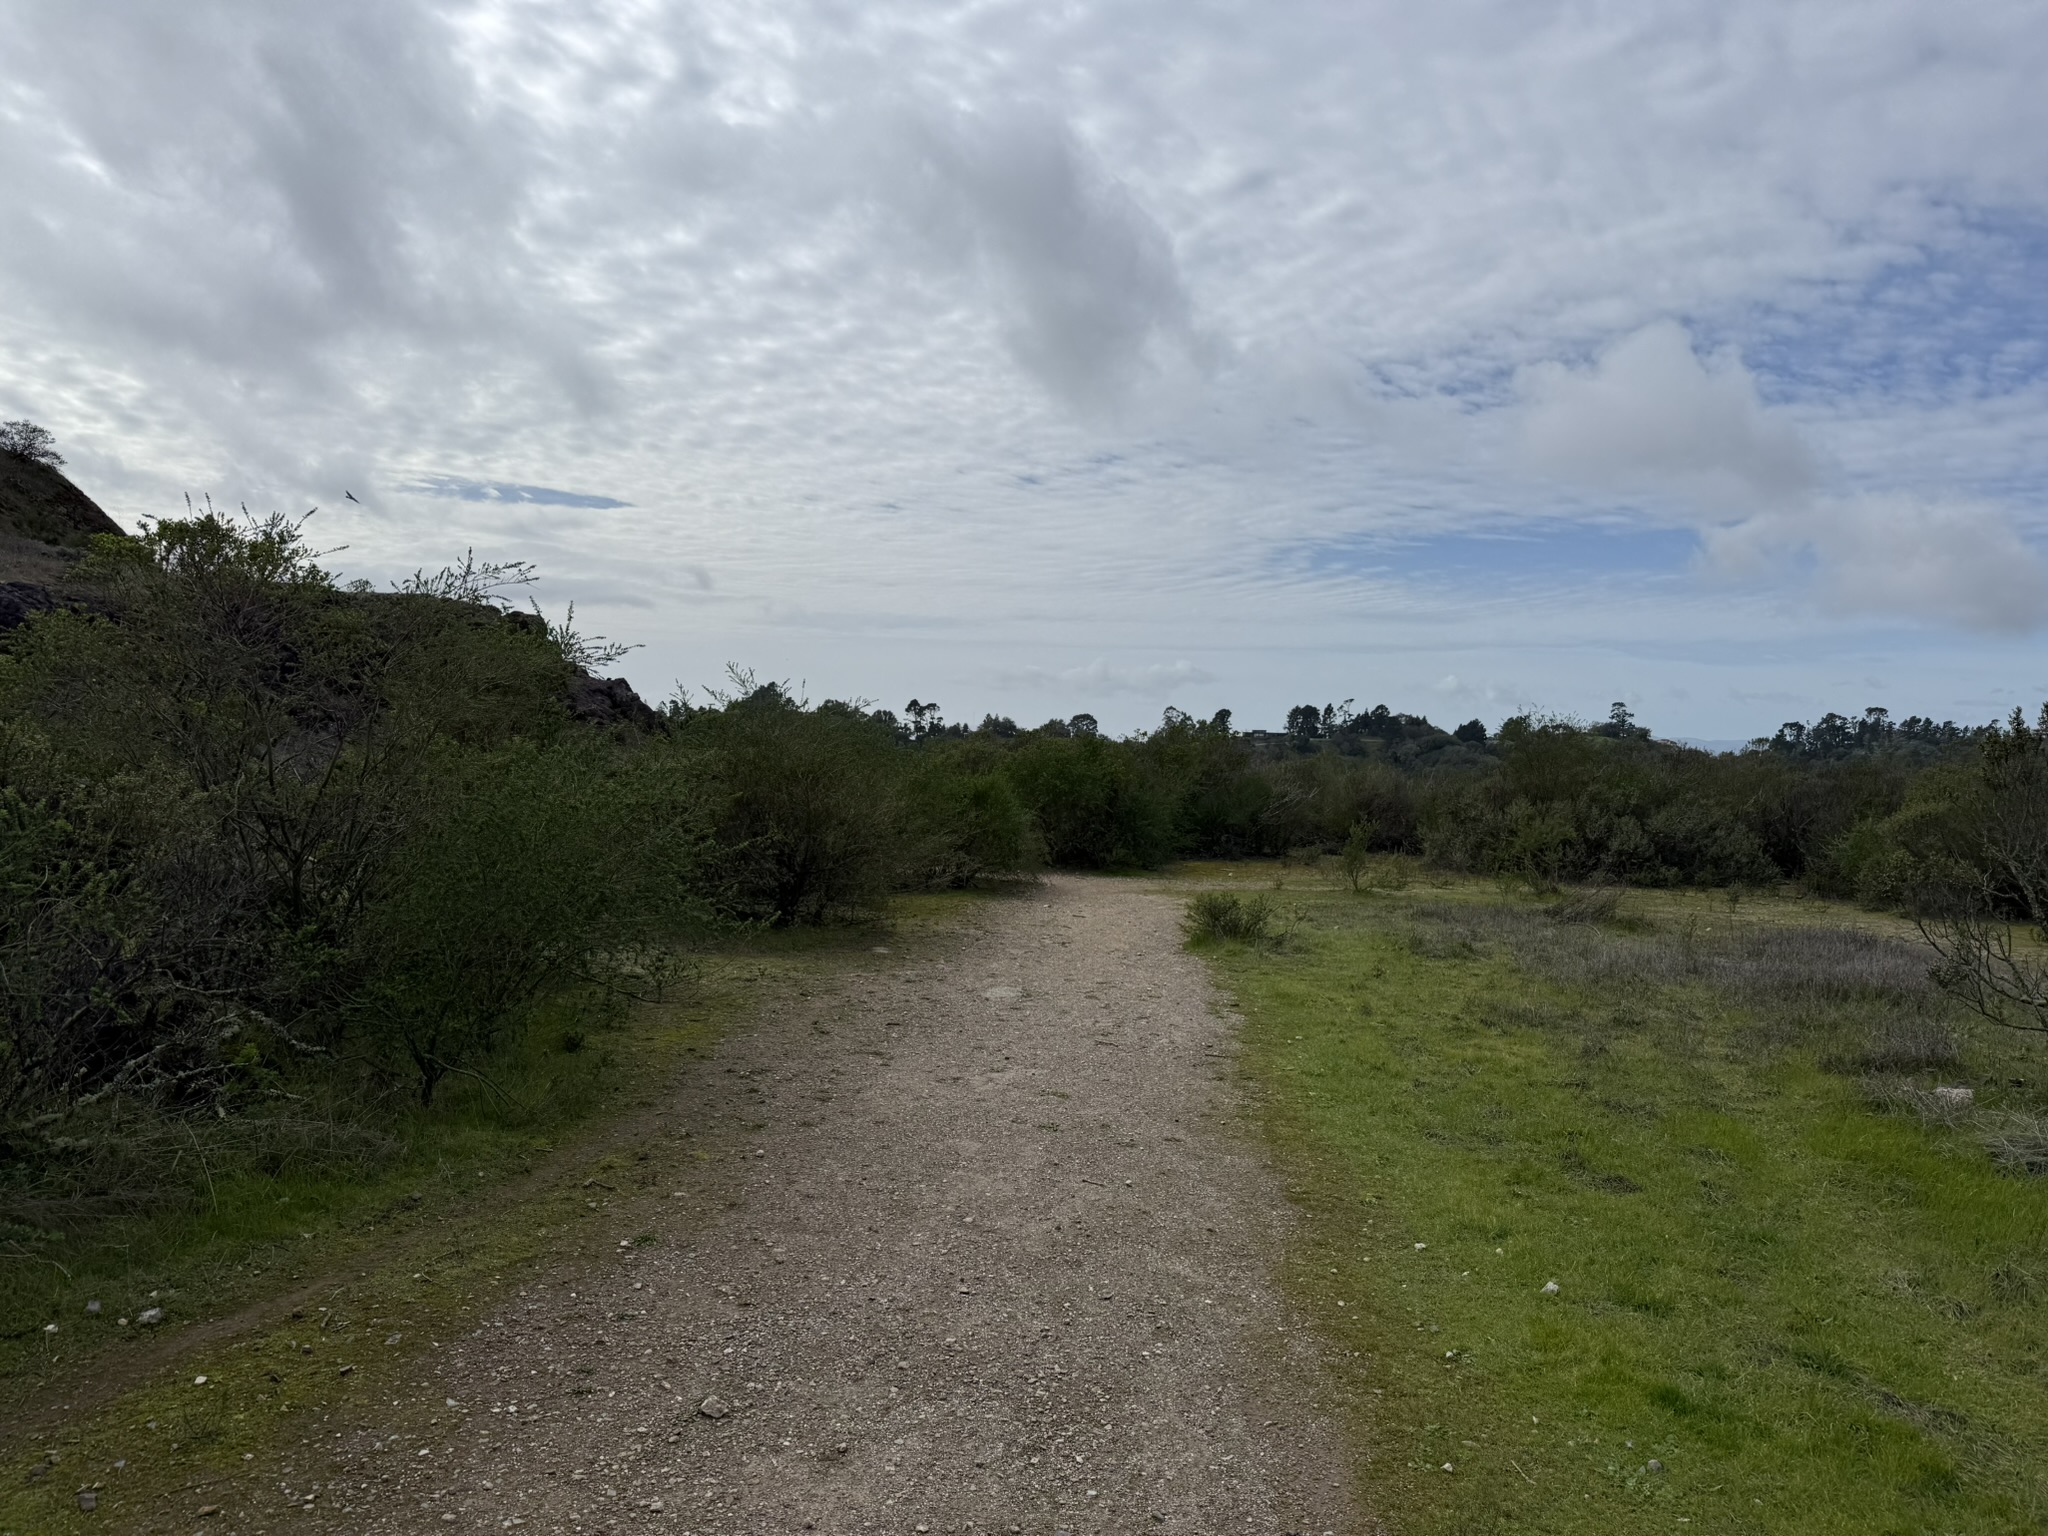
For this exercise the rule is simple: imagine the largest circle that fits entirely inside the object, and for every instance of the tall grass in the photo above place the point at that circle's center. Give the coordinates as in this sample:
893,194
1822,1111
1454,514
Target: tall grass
1864,998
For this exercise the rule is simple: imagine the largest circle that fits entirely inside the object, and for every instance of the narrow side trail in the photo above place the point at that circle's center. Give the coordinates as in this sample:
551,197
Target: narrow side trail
1001,1259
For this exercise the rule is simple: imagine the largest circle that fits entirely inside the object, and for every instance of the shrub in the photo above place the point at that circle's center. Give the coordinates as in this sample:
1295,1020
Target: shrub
1357,855
967,822
1094,804
1225,915
811,807
541,863
1595,906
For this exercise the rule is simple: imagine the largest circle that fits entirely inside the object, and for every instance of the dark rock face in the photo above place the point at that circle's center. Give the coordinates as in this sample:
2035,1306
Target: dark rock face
19,599
609,701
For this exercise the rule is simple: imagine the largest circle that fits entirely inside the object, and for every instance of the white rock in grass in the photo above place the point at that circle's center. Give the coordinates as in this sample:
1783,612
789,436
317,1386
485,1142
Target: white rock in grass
1550,1288
149,1317
1956,1097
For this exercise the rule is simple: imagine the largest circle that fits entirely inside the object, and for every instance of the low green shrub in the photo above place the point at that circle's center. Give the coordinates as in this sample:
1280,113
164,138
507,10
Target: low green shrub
1225,915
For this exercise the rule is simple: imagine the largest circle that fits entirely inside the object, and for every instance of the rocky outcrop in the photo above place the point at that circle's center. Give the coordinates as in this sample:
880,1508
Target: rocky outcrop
19,599
609,701
45,522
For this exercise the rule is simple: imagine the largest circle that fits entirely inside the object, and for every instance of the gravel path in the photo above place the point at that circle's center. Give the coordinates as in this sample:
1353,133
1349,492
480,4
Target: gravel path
998,1259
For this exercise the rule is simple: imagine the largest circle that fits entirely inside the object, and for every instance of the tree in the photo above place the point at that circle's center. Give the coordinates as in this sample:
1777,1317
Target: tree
1304,724
1968,911
1621,725
1473,731
26,440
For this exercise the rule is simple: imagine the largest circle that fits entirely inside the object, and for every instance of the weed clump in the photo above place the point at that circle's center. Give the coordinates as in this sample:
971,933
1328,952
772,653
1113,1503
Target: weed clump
2018,1143
1587,907
1943,1106
1905,1043
1225,915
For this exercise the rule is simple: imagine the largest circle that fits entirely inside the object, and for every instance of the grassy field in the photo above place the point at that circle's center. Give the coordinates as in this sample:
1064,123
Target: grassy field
1795,1290
302,1297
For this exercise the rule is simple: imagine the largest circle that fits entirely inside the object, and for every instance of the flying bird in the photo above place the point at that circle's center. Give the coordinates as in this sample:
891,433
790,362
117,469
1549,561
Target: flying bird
351,495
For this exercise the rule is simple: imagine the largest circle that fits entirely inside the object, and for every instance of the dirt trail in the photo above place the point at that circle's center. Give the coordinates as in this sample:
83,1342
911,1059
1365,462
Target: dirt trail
1000,1260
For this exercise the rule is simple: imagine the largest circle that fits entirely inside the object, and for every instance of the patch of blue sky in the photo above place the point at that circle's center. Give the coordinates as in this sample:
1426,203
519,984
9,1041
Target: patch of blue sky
459,489
1551,554
1963,320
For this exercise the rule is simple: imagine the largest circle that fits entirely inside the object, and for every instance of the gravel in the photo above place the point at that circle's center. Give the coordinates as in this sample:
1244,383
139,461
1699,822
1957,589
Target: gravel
1004,1263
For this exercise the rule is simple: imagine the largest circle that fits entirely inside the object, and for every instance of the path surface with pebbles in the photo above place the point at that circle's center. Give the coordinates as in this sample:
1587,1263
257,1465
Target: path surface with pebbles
1000,1258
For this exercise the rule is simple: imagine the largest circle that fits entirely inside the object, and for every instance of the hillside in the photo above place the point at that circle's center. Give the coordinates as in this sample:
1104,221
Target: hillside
45,522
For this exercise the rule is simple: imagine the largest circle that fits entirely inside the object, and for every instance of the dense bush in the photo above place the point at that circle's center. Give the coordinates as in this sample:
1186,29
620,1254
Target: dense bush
971,823
1097,803
812,816
254,822
539,865
1225,915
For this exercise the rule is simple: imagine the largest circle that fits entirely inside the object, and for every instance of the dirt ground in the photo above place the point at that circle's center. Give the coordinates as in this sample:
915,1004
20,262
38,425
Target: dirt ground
1001,1258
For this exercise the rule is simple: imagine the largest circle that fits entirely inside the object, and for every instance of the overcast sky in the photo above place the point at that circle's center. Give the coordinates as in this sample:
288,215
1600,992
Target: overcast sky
1040,357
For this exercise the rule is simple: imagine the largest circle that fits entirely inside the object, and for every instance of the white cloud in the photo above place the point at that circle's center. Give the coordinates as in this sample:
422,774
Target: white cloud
1893,556
1651,416
1099,678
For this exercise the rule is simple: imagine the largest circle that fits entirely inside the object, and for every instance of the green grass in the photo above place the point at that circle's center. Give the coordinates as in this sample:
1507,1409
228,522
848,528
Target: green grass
1817,1317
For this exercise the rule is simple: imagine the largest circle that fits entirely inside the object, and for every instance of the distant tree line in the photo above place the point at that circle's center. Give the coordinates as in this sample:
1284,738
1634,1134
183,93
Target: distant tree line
1840,736
1544,799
